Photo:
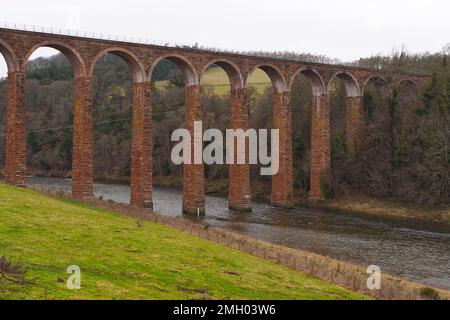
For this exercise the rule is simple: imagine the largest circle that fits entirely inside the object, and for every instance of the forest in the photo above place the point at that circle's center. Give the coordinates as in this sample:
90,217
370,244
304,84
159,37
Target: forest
405,143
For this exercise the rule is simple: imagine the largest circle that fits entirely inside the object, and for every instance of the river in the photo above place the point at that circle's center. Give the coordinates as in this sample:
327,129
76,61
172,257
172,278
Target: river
407,249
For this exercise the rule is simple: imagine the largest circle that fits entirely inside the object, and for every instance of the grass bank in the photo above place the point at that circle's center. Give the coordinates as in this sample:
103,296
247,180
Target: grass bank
122,258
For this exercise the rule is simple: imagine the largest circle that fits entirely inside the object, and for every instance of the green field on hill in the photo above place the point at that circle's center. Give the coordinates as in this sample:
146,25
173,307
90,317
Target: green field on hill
123,258
216,80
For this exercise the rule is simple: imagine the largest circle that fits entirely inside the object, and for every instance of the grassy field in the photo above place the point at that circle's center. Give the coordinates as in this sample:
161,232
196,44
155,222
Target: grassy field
122,258
216,80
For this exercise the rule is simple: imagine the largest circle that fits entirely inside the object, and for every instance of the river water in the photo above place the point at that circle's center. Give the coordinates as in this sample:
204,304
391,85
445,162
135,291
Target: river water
410,250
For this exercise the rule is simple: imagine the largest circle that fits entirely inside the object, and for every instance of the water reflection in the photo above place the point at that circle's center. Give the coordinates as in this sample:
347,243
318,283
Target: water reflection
406,249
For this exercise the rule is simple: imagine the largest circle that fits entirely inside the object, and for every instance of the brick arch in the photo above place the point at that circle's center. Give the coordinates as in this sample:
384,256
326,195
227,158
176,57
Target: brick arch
187,69
315,79
275,75
375,77
75,59
411,84
351,84
9,56
136,67
233,72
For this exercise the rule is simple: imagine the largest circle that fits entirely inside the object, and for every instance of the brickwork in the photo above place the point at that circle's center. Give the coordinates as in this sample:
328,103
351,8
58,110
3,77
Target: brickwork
193,174
141,150
82,158
16,153
320,146
83,53
239,195
282,182
354,119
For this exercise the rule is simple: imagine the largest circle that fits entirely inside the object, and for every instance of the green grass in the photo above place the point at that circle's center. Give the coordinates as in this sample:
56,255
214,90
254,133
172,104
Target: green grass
121,258
216,80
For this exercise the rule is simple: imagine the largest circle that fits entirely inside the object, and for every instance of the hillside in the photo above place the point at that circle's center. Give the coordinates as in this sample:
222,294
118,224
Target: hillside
122,258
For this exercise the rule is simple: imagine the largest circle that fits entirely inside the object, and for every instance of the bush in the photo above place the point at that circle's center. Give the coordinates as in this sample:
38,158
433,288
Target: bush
429,293
325,188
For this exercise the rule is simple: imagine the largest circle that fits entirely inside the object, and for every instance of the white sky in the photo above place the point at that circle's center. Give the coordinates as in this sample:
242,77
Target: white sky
345,29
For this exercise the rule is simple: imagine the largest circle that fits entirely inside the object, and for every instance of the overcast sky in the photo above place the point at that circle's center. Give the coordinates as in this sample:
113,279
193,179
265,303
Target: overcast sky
344,29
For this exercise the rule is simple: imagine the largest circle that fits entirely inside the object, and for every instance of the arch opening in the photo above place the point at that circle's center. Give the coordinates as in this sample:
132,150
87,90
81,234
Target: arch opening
76,63
188,73
315,80
406,83
373,160
136,68
342,90
405,108
8,59
49,93
169,78
222,73
217,80
376,98
276,79
223,105
112,101
305,85
263,84
349,82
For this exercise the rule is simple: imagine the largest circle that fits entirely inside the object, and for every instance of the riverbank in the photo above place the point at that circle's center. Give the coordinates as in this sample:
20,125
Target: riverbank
389,208
351,204
359,205
129,257
356,204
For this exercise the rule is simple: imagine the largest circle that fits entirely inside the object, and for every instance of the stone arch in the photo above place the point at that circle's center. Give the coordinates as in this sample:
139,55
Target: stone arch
136,67
233,72
317,83
9,56
187,69
275,75
375,77
75,59
351,84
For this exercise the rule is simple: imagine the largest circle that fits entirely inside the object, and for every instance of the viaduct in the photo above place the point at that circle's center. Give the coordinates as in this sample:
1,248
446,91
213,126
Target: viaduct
83,53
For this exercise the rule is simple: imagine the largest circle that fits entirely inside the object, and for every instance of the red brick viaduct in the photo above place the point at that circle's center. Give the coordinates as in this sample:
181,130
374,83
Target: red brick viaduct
16,46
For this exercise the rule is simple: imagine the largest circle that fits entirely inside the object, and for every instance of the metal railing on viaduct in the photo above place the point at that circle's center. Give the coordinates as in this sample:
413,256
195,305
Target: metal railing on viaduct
83,53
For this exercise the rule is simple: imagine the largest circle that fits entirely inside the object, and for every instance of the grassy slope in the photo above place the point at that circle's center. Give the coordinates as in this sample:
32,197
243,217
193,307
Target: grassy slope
216,79
121,258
